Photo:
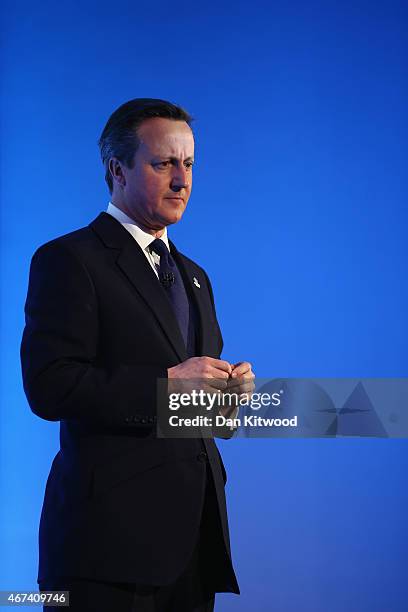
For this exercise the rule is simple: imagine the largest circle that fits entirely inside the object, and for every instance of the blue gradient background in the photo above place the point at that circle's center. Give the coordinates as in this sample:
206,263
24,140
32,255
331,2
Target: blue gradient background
299,215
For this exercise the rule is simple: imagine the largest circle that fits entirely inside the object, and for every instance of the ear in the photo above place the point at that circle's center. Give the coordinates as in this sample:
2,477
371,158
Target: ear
117,173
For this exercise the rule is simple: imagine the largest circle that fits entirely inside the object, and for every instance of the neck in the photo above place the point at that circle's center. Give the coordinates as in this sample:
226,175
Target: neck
156,232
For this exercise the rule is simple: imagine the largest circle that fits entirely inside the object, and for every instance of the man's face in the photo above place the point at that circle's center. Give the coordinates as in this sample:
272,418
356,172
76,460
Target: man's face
155,191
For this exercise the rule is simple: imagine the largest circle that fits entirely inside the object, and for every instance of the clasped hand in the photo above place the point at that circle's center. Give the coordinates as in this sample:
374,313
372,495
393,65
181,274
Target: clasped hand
212,376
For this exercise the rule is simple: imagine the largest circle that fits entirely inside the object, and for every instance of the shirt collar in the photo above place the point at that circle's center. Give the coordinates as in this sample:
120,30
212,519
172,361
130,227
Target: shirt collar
142,238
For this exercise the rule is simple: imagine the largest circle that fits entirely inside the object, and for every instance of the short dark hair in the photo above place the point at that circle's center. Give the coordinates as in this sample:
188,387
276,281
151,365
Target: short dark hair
119,137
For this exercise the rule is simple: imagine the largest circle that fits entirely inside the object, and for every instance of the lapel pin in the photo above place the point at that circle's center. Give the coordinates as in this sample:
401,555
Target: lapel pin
197,284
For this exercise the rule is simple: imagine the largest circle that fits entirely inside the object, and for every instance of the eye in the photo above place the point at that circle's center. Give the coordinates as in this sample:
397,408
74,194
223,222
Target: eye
189,164
163,164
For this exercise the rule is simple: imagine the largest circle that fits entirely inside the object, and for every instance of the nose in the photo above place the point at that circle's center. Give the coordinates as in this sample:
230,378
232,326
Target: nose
181,178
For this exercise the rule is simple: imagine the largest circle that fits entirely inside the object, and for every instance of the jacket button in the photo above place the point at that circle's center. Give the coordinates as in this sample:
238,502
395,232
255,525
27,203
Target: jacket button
143,421
202,457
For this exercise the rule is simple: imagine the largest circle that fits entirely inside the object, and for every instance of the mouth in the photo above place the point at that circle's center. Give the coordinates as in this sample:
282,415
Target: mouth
176,200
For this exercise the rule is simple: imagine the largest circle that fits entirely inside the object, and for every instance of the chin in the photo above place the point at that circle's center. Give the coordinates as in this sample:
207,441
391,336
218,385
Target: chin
174,215
175,218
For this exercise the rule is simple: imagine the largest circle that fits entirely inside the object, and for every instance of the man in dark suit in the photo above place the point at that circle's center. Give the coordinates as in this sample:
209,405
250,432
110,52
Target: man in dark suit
130,521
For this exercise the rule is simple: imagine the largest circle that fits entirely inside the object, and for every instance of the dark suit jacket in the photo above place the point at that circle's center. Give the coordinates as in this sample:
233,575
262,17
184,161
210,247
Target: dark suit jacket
120,504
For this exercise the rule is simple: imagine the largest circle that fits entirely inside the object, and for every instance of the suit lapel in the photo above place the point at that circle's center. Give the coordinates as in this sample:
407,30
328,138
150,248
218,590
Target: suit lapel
133,264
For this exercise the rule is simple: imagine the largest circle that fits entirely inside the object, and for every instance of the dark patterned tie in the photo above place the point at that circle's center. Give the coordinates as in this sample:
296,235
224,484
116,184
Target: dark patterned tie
172,282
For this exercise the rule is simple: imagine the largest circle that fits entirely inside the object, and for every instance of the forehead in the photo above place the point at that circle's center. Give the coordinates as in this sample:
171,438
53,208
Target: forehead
160,136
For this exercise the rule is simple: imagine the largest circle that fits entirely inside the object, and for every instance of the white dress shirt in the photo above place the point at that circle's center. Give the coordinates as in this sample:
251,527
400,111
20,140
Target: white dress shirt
143,239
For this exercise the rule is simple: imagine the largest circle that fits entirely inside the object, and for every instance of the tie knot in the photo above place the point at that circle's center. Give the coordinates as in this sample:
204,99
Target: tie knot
159,247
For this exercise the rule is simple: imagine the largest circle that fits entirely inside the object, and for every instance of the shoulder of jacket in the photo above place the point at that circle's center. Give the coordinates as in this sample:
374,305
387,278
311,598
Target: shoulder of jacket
71,241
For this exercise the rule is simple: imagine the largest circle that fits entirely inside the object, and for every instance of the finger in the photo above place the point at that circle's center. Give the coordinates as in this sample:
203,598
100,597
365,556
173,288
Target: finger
216,383
246,388
241,385
233,382
219,364
241,368
220,374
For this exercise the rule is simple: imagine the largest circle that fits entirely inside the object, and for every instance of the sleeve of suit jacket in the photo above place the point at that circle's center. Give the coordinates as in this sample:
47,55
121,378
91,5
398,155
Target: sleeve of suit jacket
62,377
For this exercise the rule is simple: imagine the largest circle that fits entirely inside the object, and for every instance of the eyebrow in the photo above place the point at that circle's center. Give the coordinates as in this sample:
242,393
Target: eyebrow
172,158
